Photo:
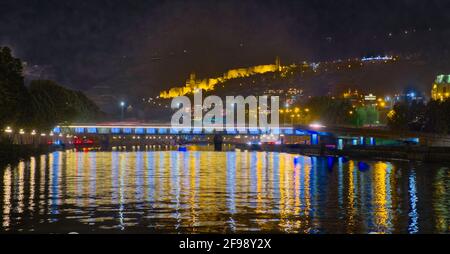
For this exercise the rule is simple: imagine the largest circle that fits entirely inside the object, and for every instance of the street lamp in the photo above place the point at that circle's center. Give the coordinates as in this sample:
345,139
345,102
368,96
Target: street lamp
8,130
122,106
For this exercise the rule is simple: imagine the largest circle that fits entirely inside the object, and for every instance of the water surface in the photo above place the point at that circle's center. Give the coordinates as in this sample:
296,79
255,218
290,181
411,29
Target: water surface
221,192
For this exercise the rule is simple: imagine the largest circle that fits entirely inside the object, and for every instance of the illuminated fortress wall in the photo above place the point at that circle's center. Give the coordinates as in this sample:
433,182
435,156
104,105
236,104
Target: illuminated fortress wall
208,84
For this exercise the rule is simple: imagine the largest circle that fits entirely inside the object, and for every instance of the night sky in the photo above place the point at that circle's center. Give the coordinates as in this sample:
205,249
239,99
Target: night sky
141,47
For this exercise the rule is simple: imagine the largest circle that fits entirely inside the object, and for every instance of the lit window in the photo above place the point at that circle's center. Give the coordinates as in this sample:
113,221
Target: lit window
79,130
150,131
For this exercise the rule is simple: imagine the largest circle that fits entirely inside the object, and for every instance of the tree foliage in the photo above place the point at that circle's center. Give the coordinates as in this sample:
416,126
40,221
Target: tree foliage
329,110
43,104
433,117
53,104
13,93
365,115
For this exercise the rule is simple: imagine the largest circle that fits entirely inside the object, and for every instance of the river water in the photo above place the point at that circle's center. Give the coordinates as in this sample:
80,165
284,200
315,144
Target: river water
221,192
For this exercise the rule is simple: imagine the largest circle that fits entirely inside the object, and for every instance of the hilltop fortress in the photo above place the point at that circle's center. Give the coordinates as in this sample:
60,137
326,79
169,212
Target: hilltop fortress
192,84
347,71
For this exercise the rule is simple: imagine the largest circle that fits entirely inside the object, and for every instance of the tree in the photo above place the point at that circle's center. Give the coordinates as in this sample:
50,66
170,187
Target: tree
437,117
416,116
329,110
360,117
53,104
43,105
13,93
372,115
398,118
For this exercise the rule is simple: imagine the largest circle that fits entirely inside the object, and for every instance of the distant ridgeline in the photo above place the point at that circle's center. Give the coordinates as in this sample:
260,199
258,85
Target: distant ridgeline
192,84
282,71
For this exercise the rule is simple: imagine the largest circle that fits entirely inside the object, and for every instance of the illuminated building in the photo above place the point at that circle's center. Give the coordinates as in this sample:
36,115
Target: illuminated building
370,99
441,88
291,75
353,96
409,96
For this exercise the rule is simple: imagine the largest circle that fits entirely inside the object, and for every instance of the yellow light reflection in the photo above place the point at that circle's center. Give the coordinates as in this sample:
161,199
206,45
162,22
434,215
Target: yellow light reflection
7,196
380,197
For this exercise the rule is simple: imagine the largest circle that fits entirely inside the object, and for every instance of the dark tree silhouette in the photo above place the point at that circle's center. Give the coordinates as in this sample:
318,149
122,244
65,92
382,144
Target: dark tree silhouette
13,93
43,105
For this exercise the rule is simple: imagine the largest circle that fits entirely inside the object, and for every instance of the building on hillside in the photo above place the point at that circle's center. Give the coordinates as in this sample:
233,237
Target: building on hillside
441,88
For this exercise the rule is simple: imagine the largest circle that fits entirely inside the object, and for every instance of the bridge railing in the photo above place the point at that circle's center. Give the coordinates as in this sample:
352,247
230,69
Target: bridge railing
165,130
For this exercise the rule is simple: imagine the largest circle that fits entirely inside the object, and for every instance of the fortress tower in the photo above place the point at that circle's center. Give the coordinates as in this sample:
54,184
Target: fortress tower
278,63
191,81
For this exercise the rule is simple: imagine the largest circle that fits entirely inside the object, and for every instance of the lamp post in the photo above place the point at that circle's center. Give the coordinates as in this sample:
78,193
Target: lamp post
122,106
287,111
9,134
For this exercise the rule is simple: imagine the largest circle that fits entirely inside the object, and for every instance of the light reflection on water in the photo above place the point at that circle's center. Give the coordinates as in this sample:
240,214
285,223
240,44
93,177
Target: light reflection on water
204,191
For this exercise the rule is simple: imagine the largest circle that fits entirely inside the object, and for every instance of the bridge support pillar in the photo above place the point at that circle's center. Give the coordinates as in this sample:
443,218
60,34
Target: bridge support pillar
372,141
340,144
218,141
362,141
314,139
105,141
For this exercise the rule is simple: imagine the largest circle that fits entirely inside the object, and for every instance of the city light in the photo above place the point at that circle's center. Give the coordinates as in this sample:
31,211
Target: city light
8,130
377,58
316,126
391,114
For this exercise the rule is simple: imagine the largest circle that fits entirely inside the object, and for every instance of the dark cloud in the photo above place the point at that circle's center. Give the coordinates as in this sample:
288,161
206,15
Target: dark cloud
142,46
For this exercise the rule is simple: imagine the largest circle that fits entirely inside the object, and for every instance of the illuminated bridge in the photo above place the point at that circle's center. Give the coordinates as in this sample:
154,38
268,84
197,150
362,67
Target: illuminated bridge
129,133
312,139
164,133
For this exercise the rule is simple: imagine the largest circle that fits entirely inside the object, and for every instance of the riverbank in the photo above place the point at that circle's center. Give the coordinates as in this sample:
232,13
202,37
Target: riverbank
10,153
408,153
